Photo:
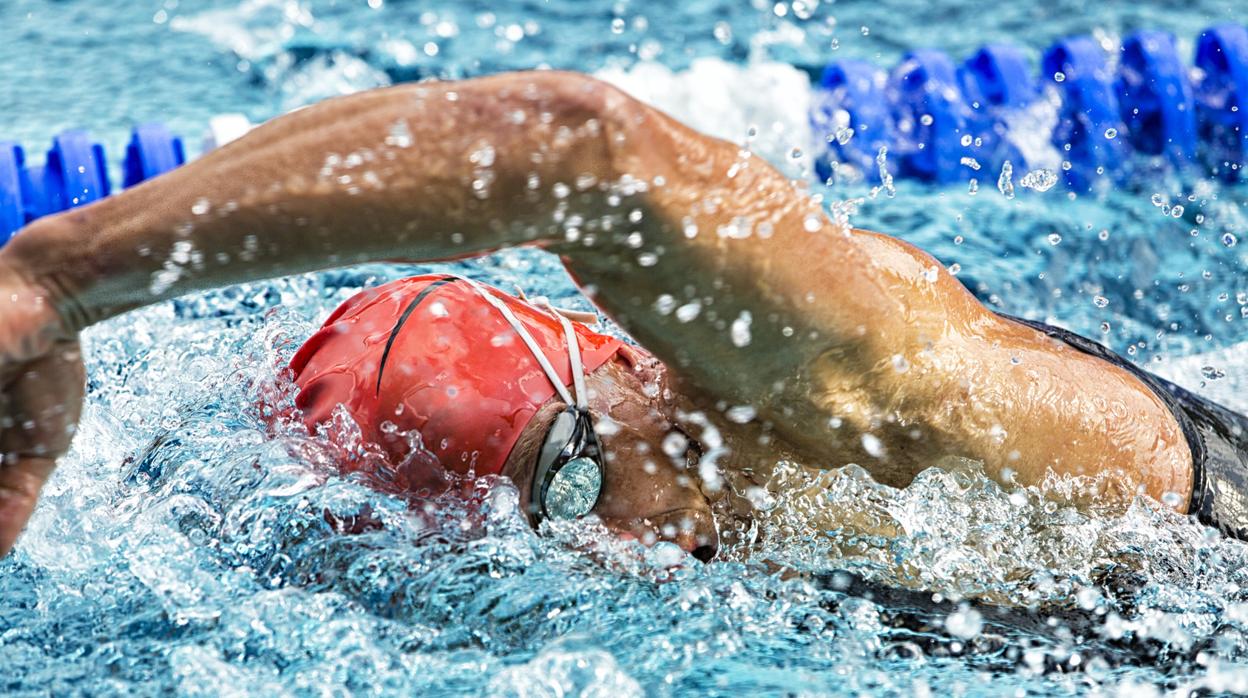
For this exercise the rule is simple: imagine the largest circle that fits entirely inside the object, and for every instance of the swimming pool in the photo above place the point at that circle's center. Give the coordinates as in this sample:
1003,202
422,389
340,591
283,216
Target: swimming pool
184,544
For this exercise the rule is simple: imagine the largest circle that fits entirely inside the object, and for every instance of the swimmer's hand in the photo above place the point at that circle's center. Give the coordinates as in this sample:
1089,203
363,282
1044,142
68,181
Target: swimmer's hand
41,389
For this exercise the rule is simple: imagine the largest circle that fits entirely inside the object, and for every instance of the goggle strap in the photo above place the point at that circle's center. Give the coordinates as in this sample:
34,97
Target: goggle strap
574,356
540,356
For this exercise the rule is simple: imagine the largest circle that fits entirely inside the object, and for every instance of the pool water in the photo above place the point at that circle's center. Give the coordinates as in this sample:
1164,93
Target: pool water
188,544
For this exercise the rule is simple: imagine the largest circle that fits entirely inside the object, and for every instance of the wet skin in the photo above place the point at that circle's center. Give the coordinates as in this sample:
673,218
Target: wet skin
862,348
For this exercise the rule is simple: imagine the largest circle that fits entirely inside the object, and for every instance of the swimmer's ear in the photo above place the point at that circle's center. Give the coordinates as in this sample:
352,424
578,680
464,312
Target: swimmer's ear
643,365
633,357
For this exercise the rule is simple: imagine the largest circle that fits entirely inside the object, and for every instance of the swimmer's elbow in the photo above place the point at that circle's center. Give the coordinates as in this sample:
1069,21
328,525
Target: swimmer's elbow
623,122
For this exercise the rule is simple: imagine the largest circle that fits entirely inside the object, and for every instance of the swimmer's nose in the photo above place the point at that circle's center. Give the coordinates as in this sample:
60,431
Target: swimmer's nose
691,529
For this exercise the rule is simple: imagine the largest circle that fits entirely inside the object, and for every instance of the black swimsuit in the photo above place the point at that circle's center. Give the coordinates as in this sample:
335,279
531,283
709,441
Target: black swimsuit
1217,436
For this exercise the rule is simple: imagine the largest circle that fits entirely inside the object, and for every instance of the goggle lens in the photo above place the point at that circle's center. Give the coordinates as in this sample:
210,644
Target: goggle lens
574,489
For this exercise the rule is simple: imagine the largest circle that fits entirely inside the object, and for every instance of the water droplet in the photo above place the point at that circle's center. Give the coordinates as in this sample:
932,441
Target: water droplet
675,444
1054,239
926,119
1100,301
965,622
886,178
1111,133
664,304
812,223
872,445
1176,211
1039,180
741,414
1005,183
1212,373
1229,239
1059,77
741,329
201,207
966,139
688,311
900,364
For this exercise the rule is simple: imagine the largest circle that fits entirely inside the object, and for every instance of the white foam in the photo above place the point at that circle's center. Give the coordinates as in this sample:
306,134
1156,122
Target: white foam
726,100
1229,388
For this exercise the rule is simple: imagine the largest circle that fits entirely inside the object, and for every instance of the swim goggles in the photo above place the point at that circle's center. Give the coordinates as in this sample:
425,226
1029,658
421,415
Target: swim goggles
568,477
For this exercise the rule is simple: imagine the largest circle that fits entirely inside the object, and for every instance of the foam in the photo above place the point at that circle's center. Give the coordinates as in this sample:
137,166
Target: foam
726,100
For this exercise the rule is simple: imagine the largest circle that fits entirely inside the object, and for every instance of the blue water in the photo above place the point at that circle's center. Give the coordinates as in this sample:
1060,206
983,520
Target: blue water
187,545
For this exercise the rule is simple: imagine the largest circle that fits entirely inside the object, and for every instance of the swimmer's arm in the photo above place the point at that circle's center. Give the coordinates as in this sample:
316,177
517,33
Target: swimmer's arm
646,213
416,172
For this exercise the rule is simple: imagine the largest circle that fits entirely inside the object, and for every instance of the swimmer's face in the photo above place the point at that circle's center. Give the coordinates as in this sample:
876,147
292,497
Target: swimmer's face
648,493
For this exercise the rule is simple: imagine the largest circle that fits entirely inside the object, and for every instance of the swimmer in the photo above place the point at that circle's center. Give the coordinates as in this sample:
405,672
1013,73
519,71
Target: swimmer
793,337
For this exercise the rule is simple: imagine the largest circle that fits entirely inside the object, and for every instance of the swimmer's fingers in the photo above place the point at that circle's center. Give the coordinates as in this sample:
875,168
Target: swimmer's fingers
38,415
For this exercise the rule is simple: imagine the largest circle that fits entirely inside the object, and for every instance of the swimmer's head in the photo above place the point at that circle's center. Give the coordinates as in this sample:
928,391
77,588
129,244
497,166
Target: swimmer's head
450,376
650,487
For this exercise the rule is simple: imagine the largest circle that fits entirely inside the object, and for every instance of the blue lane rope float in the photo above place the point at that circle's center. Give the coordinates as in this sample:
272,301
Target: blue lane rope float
1222,99
945,123
937,131
938,120
850,108
75,172
152,151
1088,123
12,207
1155,97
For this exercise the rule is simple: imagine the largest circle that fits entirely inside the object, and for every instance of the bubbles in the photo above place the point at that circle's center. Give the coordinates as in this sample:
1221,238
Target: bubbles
1111,133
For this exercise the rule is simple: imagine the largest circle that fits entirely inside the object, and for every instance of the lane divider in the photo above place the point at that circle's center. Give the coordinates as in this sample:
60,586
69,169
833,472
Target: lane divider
946,122
929,119
74,171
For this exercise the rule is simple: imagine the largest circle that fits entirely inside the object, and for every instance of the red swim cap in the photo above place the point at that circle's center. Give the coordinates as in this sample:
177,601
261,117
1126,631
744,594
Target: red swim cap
430,355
